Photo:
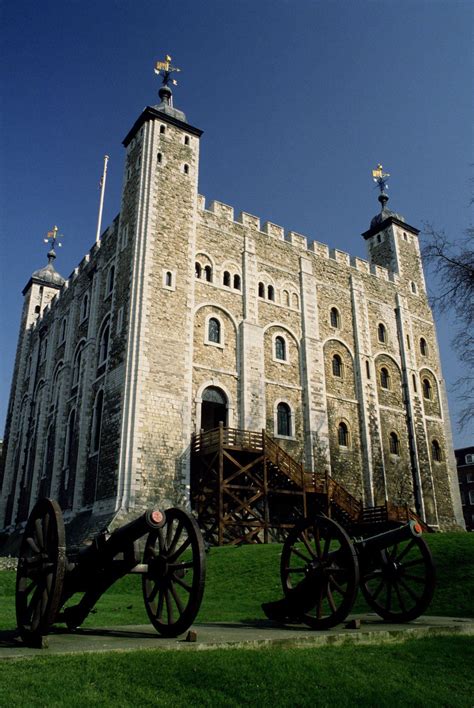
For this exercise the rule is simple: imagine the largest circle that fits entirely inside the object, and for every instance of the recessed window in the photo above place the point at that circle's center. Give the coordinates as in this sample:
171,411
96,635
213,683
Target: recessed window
414,383
405,237
69,446
367,369
295,301
280,349
237,282
337,366
120,319
382,333
76,368
62,337
85,307
168,279
423,347
186,169
379,238
104,341
334,317
214,331
427,390
159,158
414,289
284,420
261,290
408,342
162,129
198,269
435,451
384,378
97,421
226,279
343,434
208,273
271,293
394,443
186,139
110,281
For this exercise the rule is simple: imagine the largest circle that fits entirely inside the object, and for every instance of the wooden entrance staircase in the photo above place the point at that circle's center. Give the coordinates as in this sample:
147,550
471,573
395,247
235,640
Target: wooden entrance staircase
246,489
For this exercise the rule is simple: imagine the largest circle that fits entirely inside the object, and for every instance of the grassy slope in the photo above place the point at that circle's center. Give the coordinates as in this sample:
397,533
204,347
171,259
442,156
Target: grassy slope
239,579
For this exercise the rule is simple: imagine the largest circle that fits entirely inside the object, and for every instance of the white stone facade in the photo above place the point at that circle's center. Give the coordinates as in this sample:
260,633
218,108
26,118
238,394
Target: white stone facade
178,299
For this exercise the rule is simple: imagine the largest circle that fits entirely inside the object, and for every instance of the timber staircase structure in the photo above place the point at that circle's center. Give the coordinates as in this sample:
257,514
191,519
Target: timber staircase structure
246,489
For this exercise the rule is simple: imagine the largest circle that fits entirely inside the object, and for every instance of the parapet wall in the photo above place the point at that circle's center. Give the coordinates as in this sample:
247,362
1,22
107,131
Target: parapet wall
224,212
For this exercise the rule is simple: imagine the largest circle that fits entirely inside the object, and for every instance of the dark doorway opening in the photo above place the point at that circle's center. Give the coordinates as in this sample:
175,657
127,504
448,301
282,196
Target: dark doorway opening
214,408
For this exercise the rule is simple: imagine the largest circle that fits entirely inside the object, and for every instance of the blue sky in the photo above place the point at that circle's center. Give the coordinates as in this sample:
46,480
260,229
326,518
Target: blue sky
298,101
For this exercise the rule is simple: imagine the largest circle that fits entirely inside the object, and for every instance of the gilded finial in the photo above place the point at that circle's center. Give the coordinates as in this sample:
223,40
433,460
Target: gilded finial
54,237
164,69
380,178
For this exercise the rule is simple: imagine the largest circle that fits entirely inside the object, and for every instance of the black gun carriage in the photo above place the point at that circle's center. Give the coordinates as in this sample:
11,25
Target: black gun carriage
322,569
48,575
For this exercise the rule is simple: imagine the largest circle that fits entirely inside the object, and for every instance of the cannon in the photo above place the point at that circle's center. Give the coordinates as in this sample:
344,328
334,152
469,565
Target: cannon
48,576
322,569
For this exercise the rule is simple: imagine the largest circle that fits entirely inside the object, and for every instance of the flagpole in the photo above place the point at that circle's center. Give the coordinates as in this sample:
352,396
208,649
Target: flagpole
101,205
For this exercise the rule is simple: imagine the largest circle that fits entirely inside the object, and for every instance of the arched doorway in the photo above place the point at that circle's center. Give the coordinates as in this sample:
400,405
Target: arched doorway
213,408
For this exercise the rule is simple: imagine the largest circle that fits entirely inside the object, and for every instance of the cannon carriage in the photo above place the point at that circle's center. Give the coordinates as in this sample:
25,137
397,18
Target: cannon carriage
322,569
49,576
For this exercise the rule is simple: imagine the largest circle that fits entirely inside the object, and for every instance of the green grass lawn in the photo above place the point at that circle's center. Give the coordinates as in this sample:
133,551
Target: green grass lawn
429,672
240,578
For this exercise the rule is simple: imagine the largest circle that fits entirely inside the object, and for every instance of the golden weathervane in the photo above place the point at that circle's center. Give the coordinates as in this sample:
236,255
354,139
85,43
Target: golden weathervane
164,69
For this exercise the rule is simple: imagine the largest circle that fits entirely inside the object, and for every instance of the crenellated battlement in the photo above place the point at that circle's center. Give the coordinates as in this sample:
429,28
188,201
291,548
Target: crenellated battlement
296,240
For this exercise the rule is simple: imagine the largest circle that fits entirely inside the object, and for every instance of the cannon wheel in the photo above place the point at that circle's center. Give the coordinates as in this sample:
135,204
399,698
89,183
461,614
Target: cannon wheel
40,574
174,584
398,582
321,549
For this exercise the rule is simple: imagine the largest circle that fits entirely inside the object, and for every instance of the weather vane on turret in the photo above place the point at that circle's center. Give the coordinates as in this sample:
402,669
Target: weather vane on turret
381,178
53,236
164,69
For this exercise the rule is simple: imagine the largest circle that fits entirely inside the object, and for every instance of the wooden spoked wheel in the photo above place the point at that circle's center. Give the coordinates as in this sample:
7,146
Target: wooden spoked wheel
398,582
40,574
174,583
321,551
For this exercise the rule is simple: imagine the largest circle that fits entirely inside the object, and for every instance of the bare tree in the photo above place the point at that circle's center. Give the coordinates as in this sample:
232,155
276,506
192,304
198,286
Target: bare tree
453,265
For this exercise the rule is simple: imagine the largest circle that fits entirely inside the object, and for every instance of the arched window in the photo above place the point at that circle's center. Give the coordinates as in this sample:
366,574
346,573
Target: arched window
57,381
168,279
226,279
97,421
186,169
110,281
337,365
76,368
198,269
104,341
85,307
343,435
261,290
69,447
384,378
394,444
162,129
413,287
208,273
423,347
214,330
295,301
436,451
414,383
382,333
335,319
286,298
271,292
186,139
237,281
284,419
159,158
427,391
280,349
367,369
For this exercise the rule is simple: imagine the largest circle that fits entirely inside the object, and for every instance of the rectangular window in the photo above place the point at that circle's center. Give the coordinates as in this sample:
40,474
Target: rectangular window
471,496
470,477
469,459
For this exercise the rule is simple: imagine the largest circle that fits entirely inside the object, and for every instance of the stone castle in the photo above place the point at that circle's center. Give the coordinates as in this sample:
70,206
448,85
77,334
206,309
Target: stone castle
184,316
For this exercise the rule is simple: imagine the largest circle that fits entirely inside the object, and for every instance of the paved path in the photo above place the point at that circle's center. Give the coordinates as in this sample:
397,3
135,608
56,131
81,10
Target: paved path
222,635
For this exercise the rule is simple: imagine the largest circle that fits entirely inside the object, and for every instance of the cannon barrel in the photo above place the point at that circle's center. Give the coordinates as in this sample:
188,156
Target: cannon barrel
104,548
382,540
